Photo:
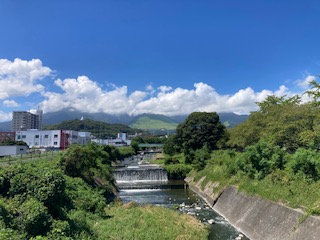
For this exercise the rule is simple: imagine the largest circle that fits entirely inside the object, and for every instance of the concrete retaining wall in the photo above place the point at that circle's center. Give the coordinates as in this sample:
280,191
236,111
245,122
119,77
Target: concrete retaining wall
258,218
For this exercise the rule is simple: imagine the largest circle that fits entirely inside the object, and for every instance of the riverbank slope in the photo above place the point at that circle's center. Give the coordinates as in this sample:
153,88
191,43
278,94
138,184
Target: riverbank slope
257,218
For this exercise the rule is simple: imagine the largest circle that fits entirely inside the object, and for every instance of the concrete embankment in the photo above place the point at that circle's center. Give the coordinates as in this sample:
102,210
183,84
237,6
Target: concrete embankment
258,218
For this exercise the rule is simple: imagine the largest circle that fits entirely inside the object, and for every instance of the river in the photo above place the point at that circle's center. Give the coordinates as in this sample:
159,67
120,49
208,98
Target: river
172,194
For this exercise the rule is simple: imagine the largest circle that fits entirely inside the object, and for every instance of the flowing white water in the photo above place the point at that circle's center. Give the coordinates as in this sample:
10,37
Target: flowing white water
141,173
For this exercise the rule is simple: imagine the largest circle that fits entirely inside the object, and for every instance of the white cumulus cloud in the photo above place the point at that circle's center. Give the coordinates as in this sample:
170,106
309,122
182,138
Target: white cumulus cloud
10,103
5,116
84,94
305,83
20,77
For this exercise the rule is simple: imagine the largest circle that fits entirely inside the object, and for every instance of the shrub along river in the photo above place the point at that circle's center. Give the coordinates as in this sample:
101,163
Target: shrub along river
147,184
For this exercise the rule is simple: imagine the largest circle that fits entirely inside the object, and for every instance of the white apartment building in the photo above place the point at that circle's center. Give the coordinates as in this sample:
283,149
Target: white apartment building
56,139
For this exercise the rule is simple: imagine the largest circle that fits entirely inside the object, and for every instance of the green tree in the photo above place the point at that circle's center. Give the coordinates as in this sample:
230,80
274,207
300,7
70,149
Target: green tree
78,161
314,92
135,143
169,146
260,159
200,129
283,122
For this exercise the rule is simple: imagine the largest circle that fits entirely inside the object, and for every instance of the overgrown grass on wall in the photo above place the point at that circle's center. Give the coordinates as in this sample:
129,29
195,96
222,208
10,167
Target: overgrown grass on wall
295,190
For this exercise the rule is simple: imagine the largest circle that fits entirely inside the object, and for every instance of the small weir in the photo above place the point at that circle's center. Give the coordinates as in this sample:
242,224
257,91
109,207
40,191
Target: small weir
141,173
149,184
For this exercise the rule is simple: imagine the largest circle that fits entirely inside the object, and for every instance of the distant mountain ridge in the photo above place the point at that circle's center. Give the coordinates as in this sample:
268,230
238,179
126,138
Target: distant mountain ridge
98,129
142,121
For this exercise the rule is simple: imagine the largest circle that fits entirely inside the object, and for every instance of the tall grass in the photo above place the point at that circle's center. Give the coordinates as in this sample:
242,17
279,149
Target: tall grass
131,221
282,186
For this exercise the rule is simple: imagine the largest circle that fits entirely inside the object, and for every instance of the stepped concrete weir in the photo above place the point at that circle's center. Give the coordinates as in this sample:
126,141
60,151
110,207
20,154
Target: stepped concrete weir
141,173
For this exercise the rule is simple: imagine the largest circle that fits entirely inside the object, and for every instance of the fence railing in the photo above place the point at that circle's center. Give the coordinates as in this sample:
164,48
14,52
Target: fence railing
32,156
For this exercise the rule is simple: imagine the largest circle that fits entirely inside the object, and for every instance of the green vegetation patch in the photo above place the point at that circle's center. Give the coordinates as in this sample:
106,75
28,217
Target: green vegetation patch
292,189
131,221
148,123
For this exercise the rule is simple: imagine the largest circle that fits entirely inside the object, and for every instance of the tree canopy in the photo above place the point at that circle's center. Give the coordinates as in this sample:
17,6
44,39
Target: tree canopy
200,129
283,122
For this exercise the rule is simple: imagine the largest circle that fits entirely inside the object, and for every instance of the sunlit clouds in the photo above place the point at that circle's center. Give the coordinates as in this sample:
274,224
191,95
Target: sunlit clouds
21,78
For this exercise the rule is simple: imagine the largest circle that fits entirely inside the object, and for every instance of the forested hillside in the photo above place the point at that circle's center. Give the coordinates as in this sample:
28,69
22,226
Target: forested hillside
97,128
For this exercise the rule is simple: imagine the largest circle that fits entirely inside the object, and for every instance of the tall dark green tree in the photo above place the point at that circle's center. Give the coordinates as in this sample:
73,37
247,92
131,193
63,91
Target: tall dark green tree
200,129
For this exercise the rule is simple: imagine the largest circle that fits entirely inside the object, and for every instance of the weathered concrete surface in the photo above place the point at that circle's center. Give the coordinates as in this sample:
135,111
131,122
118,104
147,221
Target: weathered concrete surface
207,193
258,218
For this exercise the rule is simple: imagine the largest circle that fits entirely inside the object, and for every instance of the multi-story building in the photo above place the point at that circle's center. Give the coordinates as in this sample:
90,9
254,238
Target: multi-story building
7,136
23,120
56,139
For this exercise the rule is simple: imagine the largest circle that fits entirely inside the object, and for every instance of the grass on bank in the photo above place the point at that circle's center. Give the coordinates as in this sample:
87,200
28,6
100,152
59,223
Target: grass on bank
280,186
130,221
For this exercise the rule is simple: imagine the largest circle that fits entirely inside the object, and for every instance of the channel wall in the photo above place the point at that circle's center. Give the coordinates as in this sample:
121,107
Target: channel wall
258,218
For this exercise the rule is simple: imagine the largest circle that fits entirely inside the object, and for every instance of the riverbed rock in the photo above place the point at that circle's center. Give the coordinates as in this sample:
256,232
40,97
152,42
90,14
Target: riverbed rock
211,221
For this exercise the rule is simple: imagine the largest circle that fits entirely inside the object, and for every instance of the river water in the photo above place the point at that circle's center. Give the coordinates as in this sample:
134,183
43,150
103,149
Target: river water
173,194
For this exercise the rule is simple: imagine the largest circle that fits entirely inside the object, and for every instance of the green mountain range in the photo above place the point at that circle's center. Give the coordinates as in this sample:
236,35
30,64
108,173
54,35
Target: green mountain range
150,122
96,128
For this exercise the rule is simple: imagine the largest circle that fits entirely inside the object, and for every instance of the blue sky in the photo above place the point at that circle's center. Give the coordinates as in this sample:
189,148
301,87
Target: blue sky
168,57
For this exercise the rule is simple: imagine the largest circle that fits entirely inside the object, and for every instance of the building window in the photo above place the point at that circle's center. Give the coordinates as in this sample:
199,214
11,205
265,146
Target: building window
37,136
55,143
46,136
18,137
24,136
55,136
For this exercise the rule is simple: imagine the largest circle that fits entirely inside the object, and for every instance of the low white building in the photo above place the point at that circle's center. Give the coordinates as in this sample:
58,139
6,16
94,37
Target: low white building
57,139
13,150
120,141
84,137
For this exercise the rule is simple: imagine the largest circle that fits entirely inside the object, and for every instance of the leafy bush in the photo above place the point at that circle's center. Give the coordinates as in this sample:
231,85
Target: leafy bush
259,160
306,162
177,171
83,197
171,160
201,156
89,162
30,216
125,152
